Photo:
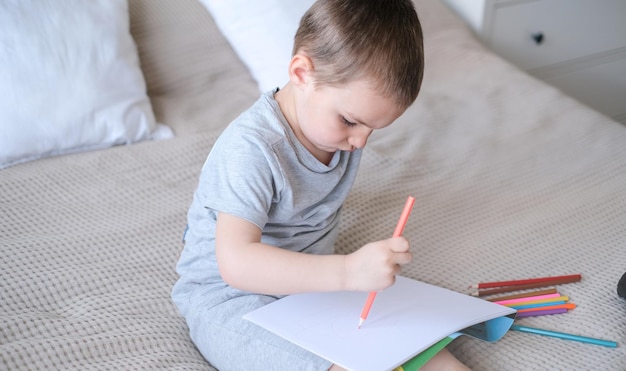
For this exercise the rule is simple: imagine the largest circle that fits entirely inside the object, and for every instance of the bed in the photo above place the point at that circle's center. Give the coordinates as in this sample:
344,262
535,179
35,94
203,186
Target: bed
512,179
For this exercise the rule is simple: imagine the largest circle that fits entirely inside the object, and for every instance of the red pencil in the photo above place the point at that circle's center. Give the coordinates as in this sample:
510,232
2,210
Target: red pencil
408,206
486,285
535,285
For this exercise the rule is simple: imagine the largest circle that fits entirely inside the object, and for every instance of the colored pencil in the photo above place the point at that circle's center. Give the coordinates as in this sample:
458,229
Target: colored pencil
538,301
500,290
518,307
528,299
408,206
561,335
487,285
524,295
568,306
540,313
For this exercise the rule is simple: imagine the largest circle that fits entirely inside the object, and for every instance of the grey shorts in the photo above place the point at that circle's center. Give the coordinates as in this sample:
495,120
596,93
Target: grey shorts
229,342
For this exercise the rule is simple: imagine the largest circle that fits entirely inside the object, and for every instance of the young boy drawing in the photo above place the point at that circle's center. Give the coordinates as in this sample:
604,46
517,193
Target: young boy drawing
263,220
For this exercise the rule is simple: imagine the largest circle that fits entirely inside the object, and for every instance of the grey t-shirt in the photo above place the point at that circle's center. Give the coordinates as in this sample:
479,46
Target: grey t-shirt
258,171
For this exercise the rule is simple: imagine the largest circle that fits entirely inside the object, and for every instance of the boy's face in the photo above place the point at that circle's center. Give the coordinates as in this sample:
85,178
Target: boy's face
330,119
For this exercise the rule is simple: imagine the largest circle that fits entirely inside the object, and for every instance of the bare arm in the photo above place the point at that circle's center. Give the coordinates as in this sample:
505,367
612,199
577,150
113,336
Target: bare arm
250,265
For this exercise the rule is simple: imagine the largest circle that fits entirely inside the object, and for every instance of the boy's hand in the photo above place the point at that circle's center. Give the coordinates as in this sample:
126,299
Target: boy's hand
374,266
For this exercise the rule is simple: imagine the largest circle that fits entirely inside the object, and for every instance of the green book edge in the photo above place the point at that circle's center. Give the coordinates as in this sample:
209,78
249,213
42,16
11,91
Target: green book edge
419,360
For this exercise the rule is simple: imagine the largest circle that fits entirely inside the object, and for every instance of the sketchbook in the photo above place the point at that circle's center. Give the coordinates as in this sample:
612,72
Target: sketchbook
405,320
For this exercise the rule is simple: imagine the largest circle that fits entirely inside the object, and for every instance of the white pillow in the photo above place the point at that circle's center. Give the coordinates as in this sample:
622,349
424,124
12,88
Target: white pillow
69,79
261,33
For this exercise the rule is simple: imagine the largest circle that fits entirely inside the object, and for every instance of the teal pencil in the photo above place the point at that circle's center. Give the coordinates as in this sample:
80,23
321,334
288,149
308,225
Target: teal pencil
539,305
561,335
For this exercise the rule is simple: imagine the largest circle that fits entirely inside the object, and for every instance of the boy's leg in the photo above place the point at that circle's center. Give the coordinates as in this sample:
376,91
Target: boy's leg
444,361
229,342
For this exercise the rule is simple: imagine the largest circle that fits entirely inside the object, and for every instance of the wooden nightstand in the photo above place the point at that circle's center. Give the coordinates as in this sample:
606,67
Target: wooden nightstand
578,46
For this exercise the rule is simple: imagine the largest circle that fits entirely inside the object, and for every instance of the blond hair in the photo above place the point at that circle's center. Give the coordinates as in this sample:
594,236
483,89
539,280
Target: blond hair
379,40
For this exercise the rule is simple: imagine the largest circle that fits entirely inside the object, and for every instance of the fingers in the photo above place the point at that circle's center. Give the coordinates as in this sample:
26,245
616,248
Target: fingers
399,244
375,265
403,258
401,251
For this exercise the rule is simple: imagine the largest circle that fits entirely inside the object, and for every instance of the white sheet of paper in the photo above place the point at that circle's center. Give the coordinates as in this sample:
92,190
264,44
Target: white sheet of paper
404,320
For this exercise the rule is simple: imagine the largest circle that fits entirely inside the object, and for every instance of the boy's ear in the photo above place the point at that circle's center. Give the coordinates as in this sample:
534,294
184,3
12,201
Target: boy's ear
300,69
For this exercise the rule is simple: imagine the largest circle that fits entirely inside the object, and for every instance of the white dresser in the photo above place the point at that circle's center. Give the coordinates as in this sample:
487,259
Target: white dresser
578,46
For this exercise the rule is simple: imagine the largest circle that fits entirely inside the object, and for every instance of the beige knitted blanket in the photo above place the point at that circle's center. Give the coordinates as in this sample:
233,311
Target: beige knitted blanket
512,180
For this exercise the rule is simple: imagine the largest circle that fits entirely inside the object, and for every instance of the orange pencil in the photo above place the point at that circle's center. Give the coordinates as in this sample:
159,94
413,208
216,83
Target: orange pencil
408,206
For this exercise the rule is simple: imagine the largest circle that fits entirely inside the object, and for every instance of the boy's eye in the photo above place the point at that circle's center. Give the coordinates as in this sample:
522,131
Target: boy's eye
345,121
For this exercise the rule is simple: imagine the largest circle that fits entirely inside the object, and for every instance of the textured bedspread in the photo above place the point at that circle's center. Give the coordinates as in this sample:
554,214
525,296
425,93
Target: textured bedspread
512,179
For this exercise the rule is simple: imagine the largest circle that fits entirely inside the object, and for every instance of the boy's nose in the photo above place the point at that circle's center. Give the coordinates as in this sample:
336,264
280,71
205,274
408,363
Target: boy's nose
359,138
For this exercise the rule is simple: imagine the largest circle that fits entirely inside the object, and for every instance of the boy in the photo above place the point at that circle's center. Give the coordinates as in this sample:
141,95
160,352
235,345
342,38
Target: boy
264,217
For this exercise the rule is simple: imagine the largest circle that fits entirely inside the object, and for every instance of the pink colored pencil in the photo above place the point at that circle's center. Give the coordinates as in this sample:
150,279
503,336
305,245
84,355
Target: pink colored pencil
540,313
524,295
530,298
408,206
487,285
